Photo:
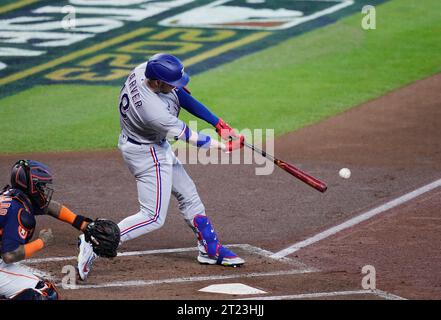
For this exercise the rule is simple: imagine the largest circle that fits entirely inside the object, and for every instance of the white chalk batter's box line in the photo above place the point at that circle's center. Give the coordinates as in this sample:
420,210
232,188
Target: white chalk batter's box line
282,254
300,268
317,295
246,247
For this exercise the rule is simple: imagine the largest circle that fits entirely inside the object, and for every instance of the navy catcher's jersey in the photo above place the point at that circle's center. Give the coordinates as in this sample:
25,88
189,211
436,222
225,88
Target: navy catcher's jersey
17,221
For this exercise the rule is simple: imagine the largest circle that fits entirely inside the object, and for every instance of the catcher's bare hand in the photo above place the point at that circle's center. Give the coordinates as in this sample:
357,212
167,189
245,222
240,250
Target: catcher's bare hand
47,236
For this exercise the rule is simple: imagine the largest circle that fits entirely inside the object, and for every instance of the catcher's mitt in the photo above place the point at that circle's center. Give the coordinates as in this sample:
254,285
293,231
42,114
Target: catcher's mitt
104,235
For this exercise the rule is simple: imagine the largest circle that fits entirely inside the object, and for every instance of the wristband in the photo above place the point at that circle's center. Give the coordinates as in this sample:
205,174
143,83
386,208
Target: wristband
79,220
203,141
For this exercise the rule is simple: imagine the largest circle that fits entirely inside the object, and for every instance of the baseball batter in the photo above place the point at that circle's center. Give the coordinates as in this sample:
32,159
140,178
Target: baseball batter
149,105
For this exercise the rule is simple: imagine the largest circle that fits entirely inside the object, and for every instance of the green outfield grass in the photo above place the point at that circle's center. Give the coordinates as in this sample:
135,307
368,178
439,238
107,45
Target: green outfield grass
286,87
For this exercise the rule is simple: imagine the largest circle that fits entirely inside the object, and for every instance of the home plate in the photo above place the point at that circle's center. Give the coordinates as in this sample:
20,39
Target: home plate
231,288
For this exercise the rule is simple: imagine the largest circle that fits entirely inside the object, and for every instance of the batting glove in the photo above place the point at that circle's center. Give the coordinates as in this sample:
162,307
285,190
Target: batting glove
224,130
234,144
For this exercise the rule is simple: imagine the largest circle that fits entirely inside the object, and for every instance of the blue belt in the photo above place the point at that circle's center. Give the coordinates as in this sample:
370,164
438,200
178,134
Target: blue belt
133,141
140,144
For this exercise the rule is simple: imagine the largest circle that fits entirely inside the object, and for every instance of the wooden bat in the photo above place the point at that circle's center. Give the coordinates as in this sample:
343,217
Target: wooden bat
296,172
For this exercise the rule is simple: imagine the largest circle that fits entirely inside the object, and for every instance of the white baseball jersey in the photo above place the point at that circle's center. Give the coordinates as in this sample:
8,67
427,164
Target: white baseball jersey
145,116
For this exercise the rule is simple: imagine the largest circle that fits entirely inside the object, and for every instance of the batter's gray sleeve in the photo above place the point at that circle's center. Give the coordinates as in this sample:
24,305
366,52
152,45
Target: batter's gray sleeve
168,125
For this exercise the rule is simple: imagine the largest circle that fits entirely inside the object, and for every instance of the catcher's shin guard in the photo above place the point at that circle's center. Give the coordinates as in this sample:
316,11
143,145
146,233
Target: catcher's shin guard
213,252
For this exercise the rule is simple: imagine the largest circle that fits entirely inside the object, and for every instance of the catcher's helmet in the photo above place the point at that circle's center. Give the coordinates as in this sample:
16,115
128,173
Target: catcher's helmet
167,68
34,179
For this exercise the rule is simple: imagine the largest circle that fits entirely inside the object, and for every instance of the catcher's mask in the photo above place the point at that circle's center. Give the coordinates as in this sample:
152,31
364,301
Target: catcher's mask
34,179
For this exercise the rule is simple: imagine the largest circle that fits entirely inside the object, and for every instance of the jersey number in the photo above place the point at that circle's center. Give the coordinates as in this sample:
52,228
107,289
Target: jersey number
124,105
4,206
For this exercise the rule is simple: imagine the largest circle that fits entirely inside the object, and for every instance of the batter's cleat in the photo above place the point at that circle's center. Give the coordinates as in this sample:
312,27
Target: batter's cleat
224,257
86,257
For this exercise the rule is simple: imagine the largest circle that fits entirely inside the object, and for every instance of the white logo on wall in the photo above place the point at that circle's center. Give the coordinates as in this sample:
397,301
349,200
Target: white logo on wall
221,14
69,280
69,21
258,137
369,21
369,280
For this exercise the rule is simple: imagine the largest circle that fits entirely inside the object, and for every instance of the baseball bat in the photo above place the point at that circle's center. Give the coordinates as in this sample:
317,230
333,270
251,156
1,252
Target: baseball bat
296,172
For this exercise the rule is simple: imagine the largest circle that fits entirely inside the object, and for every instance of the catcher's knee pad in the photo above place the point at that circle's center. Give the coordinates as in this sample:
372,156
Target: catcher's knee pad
207,235
44,290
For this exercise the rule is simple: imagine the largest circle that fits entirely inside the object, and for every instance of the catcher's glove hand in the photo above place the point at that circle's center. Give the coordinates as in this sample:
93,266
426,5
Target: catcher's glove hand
104,235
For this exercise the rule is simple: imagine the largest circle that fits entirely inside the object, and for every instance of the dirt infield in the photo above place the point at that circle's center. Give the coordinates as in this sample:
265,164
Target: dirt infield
402,246
392,146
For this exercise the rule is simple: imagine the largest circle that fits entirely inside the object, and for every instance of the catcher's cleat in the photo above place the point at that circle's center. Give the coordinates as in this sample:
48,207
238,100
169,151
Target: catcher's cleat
224,257
86,257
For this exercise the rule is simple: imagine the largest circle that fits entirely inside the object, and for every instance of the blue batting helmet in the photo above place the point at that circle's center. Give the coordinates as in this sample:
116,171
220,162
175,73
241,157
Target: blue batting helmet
167,68
34,179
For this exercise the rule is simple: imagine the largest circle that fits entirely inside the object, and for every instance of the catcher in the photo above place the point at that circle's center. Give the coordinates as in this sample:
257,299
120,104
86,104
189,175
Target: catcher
30,195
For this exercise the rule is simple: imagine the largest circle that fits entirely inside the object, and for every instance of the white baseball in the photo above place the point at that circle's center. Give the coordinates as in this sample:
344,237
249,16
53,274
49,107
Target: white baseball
345,173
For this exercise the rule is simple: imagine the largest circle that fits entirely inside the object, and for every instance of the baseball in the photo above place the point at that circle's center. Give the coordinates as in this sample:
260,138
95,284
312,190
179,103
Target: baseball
345,173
